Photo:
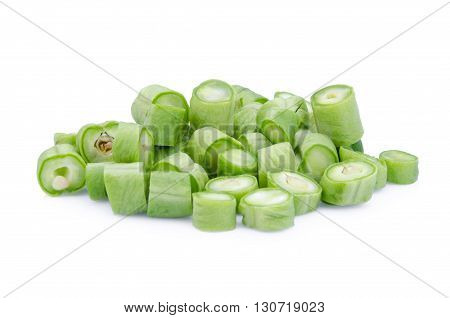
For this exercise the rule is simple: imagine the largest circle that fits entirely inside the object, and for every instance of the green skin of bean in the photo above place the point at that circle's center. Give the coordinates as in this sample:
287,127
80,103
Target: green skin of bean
401,171
86,141
169,195
316,141
60,152
181,162
303,202
252,142
238,194
125,185
358,146
200,141
163,111
129,146
244,96
344,193
345,153
245,121
213,215
340,121
95,182
275,158
215,149
268,218
215,114
63,138
228,168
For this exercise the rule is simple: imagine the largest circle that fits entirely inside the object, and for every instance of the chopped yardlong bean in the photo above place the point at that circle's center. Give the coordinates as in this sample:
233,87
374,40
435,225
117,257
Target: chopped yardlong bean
402,167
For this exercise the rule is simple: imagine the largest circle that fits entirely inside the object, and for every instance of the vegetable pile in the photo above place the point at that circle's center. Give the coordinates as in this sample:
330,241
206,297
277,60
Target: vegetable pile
231,151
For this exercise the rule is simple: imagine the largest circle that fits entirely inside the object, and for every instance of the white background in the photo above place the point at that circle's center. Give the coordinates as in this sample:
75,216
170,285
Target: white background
403,93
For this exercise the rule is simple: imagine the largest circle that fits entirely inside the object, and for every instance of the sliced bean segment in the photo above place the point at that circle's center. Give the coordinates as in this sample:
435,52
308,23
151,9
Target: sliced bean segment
349,182
169,195
61,169
214,211
244,96
95,181
252,142
402,167
125,185
63,138
317,153
95,141
267,209
213,104
306,191
275,158
346,153
337,115
133,143
237,186
181,162
235,162
163,111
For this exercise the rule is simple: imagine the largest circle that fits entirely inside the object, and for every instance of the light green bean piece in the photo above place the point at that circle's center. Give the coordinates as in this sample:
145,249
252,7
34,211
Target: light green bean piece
245,119
125,185
164,112
237,186
214,212
169,195
133,143
317,153
95,181
267,209
235,162
252,142
244,96
275,158
95,141
402,167
349,182
181,162
63,138
345,153
61,169
306,191
213,104
337,115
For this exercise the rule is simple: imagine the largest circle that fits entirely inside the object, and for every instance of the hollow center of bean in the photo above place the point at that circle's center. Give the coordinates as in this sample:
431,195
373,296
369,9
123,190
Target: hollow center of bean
104,143
350,170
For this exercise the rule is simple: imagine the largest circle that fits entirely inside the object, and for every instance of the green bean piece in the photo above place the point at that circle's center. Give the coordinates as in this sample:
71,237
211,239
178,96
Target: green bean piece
235,162
402,167
278,124
337,115
305,190
63,138
317,153
349,182
95,181
213,104
61,169
95,141
267,209
200,141
181,162
245,119
244,96
299,138
164,112
125,185
237,186
214,212
275,158
346,153
133,143
252,142
169,195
